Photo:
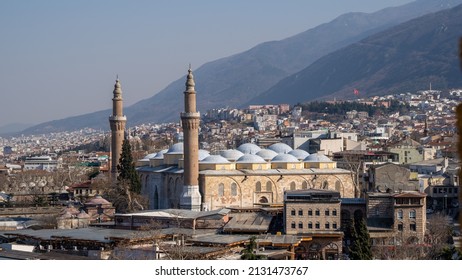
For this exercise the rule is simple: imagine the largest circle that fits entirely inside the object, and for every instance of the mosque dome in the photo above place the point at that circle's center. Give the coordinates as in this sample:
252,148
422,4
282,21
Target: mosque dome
285,158
249,148
214,159
280,148
249,158
231,155
299,154
203,154
176,148
153,155
267,154
160,154
317,158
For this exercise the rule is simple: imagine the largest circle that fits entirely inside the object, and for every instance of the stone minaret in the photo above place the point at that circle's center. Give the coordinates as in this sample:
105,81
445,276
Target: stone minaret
117,122
190,198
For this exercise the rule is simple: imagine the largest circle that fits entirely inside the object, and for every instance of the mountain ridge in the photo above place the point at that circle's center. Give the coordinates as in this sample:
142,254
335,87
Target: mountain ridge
238,78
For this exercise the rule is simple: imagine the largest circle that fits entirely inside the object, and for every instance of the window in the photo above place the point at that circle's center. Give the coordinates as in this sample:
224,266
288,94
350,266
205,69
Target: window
292,225
304,185
310,212
292,186
327,212
300,212
310,225
221,189
292,212
317,212
233,189
334,212
412,214
400,227
327,225
300,225
258,187
399,215
413,227
334,225
269,186
318,225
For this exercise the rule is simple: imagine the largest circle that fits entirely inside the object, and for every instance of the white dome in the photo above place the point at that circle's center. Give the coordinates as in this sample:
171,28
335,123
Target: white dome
317,158
267,154
203,154
249,148
153,155
231,155
299,154
176,149
280,148
214,159
160,154
248,158
284,158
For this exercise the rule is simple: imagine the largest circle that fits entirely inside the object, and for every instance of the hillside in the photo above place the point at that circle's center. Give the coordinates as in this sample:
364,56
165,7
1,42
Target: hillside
239,78
407,57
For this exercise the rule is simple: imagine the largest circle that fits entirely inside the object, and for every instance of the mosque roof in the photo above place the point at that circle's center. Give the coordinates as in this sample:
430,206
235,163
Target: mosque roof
160,154
214,159
285,158
267,154
280,148
249,158
153,155
176,148
232,155
203,154
299,154
317,158
249,148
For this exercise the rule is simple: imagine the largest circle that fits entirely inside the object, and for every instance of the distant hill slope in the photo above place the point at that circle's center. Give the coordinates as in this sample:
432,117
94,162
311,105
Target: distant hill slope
234,80
404,58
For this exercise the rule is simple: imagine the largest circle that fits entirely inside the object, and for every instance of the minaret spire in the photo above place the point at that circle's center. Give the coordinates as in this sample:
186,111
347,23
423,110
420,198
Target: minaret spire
191,197
117,122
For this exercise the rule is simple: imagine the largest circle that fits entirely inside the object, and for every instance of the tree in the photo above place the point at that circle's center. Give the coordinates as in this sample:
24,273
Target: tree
126,168
361,247
249,253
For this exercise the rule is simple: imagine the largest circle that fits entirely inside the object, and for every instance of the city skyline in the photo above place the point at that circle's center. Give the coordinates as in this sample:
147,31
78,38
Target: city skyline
61,58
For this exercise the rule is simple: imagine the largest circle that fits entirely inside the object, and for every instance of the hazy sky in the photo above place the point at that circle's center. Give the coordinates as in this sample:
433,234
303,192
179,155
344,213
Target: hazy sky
60,58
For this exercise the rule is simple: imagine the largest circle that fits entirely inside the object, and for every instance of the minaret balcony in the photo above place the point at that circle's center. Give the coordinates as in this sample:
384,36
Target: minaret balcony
190,115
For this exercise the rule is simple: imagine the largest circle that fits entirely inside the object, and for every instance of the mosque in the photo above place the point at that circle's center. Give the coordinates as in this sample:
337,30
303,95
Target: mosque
186,177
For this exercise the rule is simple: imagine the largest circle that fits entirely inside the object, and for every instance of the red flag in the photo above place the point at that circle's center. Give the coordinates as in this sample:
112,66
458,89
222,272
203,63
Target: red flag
356,91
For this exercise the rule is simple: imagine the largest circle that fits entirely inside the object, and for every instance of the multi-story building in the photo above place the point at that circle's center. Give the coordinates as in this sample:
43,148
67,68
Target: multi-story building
314,214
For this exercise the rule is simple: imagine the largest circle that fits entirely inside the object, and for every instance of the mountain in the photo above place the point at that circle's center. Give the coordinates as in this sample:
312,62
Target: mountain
13,128
234,80
407,57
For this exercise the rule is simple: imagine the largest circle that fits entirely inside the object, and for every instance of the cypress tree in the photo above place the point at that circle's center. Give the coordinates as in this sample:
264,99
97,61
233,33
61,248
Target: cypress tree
361,246
126,168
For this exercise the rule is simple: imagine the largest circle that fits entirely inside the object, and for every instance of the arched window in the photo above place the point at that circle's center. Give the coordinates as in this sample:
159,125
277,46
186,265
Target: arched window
304,185
325,185
327,225
292,212
300,212
317,212
221,189
318,225
233,189
310,225
338,185
300,224
310,212
412,214
292,186
334,225
292,225
258,187
399,214
327,212
269,186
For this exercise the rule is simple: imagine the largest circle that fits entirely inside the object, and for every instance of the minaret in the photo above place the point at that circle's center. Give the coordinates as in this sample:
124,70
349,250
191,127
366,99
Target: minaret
117,122
190,198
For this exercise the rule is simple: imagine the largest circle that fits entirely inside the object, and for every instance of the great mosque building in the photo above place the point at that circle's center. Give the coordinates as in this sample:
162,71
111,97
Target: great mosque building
189,178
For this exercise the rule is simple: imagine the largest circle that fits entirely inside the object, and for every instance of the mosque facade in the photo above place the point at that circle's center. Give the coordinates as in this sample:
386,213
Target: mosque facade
186,177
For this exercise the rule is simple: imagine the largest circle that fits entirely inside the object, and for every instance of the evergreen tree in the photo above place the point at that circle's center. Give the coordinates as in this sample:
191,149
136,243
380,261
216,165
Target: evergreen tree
361,245
126,168
249,252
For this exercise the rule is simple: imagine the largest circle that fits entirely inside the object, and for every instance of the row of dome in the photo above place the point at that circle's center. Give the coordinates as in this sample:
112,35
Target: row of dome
248,153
